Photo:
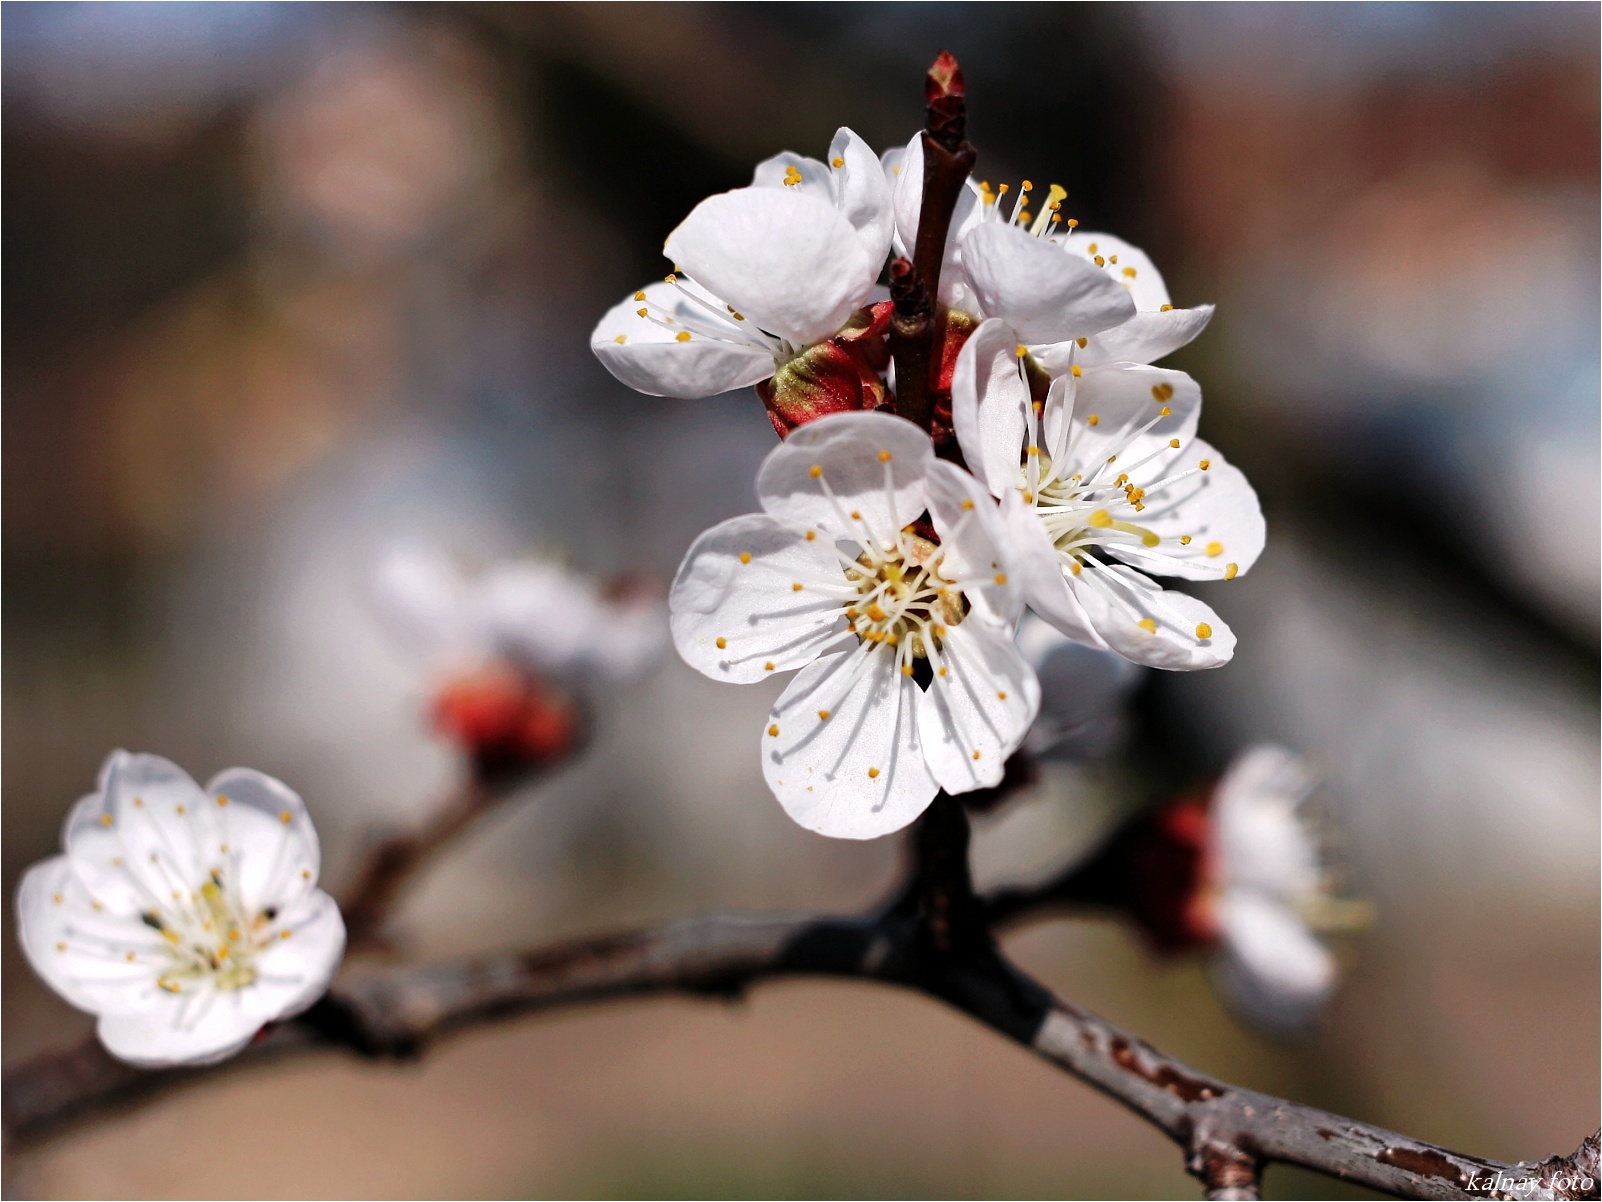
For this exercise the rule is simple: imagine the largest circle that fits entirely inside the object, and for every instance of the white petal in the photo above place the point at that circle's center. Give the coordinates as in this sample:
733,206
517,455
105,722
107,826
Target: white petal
273,848
975,715
816,179
1144,338
850,450
863,195
1133,269
1216,509
650,358
1262,842
860,772
976,544
1045,293
199,1027
751,605
422,594
80,952
1273,971
790,263
293,973
145,835
990,405
1117,599
1123,398
907,202
1042,571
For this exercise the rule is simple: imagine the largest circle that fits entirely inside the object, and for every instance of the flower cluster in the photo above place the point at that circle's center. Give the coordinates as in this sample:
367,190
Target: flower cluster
1055,468
185,918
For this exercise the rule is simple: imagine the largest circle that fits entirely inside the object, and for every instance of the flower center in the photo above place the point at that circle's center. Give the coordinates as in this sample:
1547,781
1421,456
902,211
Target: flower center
210,939
1043,223
902,599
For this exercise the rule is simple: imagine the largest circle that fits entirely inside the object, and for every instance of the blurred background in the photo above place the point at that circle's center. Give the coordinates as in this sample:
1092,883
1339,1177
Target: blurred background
286,283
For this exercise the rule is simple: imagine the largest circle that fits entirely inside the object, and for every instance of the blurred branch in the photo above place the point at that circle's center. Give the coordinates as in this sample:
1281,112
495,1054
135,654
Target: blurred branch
932,938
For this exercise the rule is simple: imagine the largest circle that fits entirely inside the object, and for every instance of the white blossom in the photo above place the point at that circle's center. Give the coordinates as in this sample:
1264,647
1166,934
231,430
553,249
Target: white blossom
537,614
833,579
1271,895
1101,483
761,273
1064,291
186,919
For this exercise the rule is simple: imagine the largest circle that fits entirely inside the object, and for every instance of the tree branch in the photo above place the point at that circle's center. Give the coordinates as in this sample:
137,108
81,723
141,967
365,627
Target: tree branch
1226,1132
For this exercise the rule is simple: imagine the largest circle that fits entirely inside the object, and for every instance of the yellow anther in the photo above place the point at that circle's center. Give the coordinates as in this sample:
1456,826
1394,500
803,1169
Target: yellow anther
1025,217
1162,392
1001,696
139,803
1204,631
906,669
1165,411
1093,420
1077,370
1020,350
1112,259
745,557
1075,567
233,933
643,312
284,816
180,809
875,613
1003,189
129,956
105,820
221,800
1101,519
1205,464
975,755
967,502
1082,343
1174,442
1215,549
1165,308
1100,262
736,316
1147,625
1091,248
884,456
942,670
837,162
1112,459
823,715
796,587
856,515
938,631
768,667
682,336
873,773
1072,222
621,339
1129,272
722,642
1184,540
283,934
1230,570
1032,450
670,278
812,535
61,947
639,295
774,730
1029,497
305,874
1027,186
1001,578
222,952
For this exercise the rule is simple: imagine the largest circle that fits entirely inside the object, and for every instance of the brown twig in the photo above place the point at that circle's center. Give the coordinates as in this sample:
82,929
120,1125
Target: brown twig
918,324
1227,1133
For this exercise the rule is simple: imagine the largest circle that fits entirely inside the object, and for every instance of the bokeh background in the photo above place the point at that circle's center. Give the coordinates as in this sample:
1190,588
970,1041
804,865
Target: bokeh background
285,283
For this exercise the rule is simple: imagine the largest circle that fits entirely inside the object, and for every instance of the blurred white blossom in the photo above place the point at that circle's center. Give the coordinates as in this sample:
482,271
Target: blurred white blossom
186,919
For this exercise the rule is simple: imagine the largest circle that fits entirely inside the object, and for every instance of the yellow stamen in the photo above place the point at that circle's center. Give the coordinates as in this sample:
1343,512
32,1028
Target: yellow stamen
1204,631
